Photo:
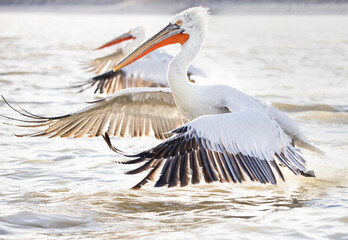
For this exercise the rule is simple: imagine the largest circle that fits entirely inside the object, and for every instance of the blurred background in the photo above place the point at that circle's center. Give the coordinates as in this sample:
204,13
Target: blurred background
174,6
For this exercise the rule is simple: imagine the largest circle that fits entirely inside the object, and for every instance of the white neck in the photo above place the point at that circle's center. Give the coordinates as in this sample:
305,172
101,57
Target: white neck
182,88
177,69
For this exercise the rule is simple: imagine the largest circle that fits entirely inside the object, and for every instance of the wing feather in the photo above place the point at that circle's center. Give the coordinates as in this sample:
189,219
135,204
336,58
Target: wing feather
174,177
185,170
164,178
196,168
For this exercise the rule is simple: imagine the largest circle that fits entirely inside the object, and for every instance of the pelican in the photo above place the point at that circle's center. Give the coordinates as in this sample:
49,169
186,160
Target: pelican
103,64
211,132
140,74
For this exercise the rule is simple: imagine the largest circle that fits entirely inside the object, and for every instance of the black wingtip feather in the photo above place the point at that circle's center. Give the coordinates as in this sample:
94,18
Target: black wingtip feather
112,147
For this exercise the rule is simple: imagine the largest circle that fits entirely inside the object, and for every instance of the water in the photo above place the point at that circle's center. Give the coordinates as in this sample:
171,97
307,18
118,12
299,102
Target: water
71,188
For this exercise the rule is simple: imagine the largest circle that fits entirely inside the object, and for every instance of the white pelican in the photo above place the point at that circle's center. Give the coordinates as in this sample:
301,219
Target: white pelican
225,135
103,64
140,74
229,133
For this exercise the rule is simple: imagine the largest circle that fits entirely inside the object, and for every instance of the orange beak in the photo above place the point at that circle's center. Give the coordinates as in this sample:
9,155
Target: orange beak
169,35
123,37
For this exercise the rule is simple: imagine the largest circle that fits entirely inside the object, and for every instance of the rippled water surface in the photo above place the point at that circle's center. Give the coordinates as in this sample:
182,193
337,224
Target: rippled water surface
71,188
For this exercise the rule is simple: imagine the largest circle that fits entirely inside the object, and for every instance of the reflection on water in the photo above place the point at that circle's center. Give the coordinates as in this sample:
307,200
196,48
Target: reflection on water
71,187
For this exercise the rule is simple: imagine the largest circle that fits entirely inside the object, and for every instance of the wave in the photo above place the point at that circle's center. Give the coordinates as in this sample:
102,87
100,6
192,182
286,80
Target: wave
312,107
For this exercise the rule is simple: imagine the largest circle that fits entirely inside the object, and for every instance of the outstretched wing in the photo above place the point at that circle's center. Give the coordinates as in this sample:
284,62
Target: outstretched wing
132,112
228,147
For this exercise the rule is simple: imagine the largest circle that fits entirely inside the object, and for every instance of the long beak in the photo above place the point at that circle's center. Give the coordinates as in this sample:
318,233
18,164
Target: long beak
123,37
171,34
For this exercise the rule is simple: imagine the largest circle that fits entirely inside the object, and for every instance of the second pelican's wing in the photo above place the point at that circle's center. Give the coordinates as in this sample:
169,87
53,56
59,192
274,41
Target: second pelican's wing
105,63
112,82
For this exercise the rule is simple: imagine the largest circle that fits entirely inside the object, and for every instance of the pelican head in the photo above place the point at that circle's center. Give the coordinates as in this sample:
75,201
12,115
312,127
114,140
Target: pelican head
137,34
189,23
193,20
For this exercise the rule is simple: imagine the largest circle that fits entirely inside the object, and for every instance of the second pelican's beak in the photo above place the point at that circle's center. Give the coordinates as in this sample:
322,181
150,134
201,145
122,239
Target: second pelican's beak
123,37
169,35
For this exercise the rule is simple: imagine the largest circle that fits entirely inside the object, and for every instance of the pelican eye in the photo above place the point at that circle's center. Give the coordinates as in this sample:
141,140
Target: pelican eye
179,22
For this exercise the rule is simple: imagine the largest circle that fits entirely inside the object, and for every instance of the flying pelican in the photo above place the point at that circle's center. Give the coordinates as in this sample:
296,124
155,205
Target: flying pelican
224,134
140,74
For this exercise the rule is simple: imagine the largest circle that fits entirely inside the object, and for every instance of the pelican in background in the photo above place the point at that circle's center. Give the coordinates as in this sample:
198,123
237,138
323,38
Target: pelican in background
224,134
140,74
104,64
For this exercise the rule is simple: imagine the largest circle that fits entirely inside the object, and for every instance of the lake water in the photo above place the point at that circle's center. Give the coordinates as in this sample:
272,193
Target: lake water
72,189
